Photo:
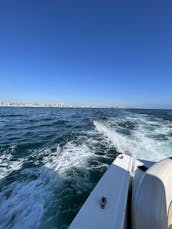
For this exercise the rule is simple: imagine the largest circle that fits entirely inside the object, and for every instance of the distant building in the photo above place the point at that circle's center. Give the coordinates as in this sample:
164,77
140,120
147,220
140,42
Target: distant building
60,105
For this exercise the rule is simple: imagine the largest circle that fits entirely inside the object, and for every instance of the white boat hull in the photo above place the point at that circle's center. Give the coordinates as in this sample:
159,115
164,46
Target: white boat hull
131,194
114,186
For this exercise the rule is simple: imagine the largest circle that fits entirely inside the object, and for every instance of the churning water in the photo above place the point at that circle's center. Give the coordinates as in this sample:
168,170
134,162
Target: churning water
50,159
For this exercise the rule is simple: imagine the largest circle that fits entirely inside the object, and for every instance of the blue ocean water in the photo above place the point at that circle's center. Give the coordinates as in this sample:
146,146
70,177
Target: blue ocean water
50,158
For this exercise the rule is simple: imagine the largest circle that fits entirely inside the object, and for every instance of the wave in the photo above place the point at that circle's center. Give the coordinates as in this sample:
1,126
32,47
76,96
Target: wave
7,162
70,155
24,203
148,140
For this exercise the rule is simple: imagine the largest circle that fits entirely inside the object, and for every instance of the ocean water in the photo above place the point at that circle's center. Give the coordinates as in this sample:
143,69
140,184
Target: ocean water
50,159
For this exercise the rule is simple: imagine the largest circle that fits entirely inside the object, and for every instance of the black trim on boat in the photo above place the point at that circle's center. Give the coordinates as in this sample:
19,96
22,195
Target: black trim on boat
143,168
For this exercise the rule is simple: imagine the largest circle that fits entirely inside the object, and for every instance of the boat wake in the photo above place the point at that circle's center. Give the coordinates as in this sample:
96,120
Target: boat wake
139,136
57,174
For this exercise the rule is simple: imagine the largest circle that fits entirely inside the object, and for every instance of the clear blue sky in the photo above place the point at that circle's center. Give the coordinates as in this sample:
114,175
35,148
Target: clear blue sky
87,52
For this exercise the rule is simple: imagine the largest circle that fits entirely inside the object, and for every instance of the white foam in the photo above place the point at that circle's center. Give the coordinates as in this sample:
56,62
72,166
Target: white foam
140,144
118,140
8,164
70,155
70,159
28,200
22,204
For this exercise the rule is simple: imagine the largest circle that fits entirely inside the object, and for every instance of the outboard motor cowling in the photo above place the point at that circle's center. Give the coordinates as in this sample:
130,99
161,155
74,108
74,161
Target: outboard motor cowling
152,200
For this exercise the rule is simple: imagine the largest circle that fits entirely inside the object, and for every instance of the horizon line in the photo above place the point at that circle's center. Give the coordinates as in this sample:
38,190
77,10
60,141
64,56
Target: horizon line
62,105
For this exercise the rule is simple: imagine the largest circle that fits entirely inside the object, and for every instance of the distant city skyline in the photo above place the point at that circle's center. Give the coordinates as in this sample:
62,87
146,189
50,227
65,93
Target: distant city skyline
95,53
63,105
58,105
